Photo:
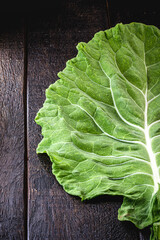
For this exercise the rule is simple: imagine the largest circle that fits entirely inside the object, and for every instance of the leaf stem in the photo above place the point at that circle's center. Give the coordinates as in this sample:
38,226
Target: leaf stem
155,231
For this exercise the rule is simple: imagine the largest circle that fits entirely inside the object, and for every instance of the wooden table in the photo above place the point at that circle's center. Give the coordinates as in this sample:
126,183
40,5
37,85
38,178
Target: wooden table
34,47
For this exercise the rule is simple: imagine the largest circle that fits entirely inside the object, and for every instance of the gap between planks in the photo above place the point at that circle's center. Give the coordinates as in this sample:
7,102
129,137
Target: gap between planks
25,105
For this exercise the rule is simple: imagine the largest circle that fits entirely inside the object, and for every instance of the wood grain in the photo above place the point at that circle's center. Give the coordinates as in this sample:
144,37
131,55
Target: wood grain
53,214
11,129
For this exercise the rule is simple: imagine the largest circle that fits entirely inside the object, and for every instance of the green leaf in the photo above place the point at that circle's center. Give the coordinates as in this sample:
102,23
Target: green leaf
101,121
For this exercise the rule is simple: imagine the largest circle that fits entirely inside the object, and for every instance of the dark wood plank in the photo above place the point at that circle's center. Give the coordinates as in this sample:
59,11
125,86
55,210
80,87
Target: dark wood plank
53,214
134,11
11,128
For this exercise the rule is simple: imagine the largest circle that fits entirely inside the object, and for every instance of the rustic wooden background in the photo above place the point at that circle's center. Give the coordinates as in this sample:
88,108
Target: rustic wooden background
34,46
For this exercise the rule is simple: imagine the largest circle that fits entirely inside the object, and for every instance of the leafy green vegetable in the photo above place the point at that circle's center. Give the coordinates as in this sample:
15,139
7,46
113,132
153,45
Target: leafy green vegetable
101,122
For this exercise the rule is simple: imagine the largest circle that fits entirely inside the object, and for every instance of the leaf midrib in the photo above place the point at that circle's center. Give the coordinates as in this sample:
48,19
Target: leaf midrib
151,154
148,145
